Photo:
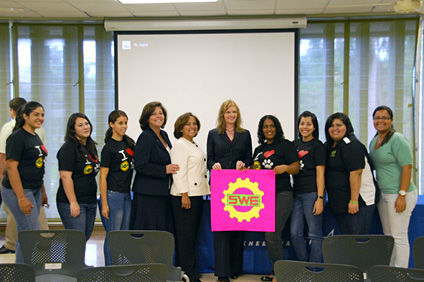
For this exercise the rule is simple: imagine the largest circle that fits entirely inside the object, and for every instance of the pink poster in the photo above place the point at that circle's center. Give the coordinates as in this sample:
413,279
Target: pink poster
243,200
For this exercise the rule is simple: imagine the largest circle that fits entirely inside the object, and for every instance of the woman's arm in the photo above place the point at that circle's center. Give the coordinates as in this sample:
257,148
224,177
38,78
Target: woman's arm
179,156
319,203
292,168
68,186
24,203
355,184
405,179
104,171
210,145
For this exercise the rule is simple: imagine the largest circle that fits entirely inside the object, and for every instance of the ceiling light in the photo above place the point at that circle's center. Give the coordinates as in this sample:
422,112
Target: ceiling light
163,1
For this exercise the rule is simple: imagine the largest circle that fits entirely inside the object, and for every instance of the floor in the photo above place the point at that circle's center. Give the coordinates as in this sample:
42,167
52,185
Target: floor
95,246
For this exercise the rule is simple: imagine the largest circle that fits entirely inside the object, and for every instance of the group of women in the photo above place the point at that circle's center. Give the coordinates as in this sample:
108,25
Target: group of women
170,182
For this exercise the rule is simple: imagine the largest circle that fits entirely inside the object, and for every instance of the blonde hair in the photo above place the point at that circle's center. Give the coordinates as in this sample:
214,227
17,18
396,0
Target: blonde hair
221,121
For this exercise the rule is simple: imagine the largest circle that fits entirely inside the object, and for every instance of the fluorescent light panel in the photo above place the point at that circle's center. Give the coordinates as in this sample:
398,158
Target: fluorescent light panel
163,1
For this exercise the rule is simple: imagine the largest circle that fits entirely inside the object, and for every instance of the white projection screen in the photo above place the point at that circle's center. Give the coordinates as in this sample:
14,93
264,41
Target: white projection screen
197,71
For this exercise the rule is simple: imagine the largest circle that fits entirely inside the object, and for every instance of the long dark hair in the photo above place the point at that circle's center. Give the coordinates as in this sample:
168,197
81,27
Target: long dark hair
70,135
314,119
26,109
392,130
345,119
113,116
279,134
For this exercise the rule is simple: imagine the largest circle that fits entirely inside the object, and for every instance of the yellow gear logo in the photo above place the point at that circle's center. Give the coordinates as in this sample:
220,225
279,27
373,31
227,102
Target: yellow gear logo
39,162
254,211
125,166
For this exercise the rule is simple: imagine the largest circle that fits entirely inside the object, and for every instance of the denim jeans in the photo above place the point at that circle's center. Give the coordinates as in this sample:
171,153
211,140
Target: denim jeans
119,217
358,223
396,225
84,222
303,207
23,222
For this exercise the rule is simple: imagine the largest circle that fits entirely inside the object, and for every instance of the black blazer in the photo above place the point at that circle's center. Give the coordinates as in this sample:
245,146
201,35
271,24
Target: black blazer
150,160
221,150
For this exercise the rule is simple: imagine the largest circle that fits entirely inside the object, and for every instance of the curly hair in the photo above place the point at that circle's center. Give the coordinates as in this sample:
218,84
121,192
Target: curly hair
279,133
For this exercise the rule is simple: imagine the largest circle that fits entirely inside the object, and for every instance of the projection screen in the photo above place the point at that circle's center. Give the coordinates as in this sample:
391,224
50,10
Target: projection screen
197,71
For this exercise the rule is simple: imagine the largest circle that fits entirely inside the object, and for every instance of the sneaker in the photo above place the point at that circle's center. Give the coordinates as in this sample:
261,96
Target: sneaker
4,250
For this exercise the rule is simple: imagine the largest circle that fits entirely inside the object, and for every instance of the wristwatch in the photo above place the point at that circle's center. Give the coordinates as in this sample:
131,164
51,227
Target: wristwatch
402,192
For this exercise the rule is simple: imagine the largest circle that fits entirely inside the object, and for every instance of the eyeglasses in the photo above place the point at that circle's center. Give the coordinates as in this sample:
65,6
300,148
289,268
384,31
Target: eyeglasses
382,118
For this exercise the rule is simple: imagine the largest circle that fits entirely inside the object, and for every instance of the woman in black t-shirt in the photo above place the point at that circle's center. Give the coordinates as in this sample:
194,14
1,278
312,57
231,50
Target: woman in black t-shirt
25,162
276,153
308,190
116,172
78,166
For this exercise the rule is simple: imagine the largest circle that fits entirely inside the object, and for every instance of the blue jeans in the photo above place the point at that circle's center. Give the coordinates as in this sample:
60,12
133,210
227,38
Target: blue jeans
23,222
119,217
303,209
358,223
84,222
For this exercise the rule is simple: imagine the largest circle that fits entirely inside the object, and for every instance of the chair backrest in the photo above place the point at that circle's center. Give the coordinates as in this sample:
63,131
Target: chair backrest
152,272
144,246
362,251
53,251
418,252
297,271
12,272
384,273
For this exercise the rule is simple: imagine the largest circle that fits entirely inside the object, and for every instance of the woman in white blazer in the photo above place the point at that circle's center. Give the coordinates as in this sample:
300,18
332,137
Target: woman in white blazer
189,186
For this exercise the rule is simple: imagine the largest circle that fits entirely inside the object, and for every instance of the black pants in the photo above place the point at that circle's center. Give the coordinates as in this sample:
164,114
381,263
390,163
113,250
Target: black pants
228,247
186,223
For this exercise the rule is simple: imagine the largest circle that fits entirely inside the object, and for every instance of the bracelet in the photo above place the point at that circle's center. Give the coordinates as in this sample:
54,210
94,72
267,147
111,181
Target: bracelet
321,197
21,199
353,202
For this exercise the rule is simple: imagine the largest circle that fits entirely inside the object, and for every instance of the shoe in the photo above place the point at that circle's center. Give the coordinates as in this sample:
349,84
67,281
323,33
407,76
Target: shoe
234,276
223,279
267,278
4,250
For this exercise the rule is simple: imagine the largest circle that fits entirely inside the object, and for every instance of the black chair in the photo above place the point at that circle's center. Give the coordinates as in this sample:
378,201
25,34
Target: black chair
55,255
362,251
298,271
144,246
384,273
418,252
13,272
153,272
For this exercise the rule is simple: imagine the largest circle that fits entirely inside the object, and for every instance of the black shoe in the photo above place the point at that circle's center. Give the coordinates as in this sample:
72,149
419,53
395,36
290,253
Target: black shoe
267,278
234,276
223,279
4,250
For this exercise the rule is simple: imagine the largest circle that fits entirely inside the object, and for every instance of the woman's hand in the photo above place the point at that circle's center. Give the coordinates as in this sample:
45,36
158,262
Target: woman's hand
353,208
240,165
400,204
172,168
217,166
75,209
105,210
279,169
185,201
25,205
318,206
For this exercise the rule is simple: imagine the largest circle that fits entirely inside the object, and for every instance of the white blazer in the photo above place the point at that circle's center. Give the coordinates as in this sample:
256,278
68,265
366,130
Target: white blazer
192,177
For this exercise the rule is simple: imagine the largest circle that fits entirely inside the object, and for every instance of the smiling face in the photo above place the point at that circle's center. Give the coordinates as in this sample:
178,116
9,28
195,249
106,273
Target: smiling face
269,130
306,128
230,115
82,128
190,129
119,127
35,118
156,119
382,121
337,130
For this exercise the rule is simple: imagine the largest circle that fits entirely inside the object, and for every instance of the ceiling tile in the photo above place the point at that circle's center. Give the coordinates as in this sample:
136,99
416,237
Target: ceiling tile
348,10
156,14
188,13
250,12
150,7
212,6
298,11
352,2
249,4
298,4
104,7
49,6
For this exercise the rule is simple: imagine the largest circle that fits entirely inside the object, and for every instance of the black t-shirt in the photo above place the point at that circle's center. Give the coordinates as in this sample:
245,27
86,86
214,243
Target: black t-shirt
268,156
118,157
311,154
84,170
31,154
348,155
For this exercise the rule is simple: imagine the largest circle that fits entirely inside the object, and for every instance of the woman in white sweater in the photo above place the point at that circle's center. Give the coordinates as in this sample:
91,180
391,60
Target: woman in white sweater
189,186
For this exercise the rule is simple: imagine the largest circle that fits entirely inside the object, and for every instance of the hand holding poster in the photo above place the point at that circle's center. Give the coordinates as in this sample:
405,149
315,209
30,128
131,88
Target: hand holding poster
243,200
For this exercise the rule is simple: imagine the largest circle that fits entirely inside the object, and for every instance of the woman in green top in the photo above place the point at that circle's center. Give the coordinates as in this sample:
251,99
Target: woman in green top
392,157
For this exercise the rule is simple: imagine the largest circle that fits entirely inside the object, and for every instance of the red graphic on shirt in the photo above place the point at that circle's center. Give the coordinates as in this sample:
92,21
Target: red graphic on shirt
268,154
130,152
302,153
94,160
44,149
